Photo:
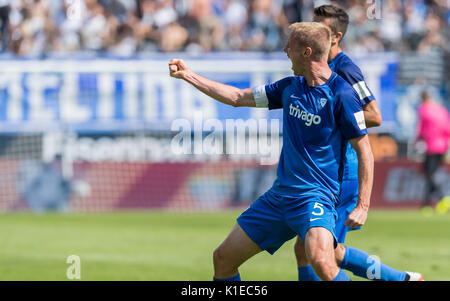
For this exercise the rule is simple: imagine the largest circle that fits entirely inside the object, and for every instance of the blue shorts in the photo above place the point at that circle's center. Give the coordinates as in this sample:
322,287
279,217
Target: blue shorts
348,201
272,220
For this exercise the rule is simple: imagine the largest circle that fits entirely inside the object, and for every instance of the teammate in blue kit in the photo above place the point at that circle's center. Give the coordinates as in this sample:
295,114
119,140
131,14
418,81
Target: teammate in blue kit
348,258
321,113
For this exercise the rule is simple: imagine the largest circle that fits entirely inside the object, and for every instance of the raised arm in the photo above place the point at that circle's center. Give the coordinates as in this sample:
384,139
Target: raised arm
365,177
224,93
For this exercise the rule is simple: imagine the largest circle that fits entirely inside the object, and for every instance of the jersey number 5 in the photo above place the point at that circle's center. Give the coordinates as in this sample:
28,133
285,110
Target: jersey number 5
318,206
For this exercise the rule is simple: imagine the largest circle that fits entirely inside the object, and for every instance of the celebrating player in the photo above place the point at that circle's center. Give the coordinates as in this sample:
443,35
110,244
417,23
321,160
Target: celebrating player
348,258
321,113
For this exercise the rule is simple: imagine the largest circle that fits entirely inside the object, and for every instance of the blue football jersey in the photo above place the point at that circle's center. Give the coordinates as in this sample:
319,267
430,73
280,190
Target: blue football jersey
317,124
349,71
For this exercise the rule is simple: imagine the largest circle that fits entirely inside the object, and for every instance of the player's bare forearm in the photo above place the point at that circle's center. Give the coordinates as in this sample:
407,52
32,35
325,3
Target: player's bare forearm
372,114
365,169
224,93
365,177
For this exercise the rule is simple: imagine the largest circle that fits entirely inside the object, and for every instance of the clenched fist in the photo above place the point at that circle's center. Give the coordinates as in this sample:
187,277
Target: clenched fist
178,68
357,217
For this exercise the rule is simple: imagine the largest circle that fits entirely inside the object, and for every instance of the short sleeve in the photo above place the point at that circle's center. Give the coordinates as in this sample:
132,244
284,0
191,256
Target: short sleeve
271,95
349,114
353,75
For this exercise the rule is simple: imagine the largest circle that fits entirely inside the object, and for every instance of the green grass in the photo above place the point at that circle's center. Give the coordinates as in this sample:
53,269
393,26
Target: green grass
179,246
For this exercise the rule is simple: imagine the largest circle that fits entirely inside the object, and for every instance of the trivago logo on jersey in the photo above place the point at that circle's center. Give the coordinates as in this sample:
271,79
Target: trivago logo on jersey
309,118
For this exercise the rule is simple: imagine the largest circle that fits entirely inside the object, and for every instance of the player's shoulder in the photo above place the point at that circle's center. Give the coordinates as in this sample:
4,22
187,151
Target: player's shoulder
284,83
338,84
287,81
346,67
342,89
294,79
346,63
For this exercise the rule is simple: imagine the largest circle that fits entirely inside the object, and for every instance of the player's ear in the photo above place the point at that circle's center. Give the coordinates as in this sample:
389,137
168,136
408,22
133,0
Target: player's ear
336,38
307,52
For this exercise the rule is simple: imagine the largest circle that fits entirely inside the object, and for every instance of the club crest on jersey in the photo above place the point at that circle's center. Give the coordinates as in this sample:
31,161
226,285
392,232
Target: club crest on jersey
309,118
322,102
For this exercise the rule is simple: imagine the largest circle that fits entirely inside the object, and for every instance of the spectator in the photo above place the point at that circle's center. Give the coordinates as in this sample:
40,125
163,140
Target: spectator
69,29
5,8
235,19
173,37
125,27
434,129
209,26
414,23
433,38
390,25
95,29
264,29
125,44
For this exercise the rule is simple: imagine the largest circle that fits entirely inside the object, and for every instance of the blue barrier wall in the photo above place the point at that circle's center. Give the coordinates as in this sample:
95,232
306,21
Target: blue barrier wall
119,95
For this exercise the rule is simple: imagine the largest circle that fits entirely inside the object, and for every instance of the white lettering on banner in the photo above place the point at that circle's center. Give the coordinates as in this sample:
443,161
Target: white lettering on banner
149,149
125,149
149,94
168,98
106,93
153,83
11,83
37,84
131,94
70,110
403,184
15,91
150,99
406,184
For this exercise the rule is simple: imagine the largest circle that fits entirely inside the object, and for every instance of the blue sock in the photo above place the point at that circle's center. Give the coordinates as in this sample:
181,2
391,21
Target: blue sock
306,273
342,276
234,278
361,264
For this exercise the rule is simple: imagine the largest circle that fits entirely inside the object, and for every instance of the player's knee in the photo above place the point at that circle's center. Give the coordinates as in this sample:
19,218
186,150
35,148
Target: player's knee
319,262
323,267
217,257
219,260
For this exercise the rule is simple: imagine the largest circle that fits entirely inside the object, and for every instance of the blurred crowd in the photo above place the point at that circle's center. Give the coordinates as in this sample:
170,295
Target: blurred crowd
126,27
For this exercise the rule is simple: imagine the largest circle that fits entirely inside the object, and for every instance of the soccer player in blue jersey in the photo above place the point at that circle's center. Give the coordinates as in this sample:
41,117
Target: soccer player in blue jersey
348,258
321,114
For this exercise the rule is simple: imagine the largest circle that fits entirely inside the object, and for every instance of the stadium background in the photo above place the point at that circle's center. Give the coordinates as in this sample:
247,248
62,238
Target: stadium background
87,114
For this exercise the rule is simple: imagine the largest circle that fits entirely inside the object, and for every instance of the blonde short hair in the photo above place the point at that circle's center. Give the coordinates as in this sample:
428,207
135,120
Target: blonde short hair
314,35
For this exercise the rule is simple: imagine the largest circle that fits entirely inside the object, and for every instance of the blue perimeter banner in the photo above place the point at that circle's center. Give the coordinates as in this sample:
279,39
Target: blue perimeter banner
114,95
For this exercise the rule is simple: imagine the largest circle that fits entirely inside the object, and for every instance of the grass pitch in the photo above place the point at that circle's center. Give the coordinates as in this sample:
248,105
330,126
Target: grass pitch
179,246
